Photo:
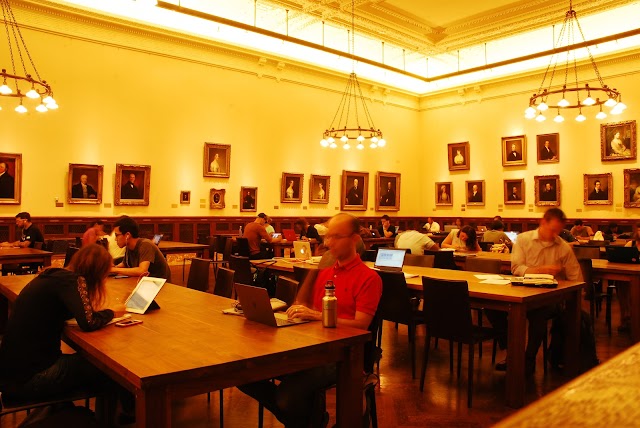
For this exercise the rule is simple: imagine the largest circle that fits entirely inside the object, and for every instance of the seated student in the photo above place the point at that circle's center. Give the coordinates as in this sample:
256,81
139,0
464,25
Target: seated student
255,233
581,231
496,234
267,226
32,366
386,229
358,290
611,232
415,242
30,235
141,255
568,237
306,230
94,233
464,239
431,226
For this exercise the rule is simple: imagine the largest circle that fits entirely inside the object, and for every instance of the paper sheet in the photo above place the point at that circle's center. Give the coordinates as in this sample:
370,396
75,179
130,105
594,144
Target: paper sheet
488,276
496,281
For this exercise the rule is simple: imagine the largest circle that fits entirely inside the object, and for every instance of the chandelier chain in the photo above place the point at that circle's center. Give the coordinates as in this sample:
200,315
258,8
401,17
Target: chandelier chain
593,62
6,27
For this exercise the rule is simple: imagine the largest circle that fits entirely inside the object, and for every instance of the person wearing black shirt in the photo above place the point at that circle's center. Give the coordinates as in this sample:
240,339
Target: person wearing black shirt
306,230
30,233
386,229
32,366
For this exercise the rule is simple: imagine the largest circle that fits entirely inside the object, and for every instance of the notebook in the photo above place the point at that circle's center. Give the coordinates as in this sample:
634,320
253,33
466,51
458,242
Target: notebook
257,307
302,250
390,259
617,254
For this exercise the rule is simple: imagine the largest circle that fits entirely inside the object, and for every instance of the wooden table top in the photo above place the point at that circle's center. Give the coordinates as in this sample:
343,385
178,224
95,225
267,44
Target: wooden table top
606,396
174,245
190,337
507,293
8,252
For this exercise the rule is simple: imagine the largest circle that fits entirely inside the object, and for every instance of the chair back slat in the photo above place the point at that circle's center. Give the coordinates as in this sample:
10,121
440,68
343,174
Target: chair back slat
447,310
226,253
71,251
481,264
242,268
395,302
442,259
199,275
418,260
586,265
243,247
224,283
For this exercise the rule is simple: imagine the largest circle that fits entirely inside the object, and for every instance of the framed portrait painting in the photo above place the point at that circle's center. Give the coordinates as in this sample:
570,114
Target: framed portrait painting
458,156
319,189
388,191
547,190
248,199
598,189
216,198
548,148
514,150
132,184
632,188
291,187
618,141
475,192
84,184
217,160
514,191
444,194
10,178
185,197
354,192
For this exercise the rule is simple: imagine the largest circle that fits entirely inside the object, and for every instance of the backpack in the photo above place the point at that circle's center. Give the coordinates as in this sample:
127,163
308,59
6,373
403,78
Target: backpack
587,348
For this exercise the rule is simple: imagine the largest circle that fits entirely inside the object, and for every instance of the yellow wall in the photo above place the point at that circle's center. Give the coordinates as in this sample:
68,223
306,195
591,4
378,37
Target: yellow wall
486,117
123,106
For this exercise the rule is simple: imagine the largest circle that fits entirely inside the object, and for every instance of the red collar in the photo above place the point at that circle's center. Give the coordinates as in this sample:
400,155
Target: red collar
353,263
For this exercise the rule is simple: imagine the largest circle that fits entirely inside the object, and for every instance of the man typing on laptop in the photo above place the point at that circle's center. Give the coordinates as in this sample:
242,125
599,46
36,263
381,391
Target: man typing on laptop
358,290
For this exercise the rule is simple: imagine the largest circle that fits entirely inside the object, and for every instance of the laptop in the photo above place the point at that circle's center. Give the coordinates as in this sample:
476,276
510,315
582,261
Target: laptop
390,259
157,238
141,298
374,233
616,254
275,235
482,229
289,234
513,236
256,306
302,250
449,227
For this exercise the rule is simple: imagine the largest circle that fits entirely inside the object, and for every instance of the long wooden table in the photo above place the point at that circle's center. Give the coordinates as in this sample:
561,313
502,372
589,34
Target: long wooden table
602,270
516,301
189,347
173,247
606,396
24,255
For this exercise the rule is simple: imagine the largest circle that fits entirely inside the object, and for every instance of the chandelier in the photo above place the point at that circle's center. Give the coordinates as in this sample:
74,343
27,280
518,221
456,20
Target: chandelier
352,98
33,89
572,95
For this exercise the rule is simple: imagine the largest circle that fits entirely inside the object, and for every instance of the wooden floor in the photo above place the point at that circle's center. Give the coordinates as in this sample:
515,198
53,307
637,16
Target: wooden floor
400,403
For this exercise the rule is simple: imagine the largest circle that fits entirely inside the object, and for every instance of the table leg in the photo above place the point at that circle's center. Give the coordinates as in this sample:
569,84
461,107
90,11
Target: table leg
349,388
635,307
572,334
153,408
515,355
47,261
277,251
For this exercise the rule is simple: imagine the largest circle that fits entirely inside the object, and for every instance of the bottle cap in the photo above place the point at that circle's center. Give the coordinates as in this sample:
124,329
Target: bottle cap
329,285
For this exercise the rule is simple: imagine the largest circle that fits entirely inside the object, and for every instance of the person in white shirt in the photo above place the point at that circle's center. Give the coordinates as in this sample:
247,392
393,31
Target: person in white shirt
431,226
267,226
415,242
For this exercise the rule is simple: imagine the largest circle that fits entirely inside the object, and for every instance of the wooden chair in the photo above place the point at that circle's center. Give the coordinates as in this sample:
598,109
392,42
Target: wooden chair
300,273
78,241
486,246
396,305
442,259
71,251
595,293
199,275
10,406
243,247
447,315
286,290
226,253
224,283
418,260
242,268
370,255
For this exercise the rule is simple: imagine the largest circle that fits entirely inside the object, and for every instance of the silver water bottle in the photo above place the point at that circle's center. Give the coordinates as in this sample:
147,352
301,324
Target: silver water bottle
329,306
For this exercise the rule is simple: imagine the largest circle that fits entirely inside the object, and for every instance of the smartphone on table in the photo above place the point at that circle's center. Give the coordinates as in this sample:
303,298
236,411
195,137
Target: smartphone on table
128,323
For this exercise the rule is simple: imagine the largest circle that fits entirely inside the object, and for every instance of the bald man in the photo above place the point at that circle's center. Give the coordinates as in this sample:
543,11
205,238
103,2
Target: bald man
358,290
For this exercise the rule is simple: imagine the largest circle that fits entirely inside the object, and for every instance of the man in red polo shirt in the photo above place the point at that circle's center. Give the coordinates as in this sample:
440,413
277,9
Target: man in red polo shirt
358,290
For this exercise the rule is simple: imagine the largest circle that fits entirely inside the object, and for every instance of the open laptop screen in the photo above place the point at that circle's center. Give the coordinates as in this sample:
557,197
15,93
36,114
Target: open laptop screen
157,238
390,258
512,236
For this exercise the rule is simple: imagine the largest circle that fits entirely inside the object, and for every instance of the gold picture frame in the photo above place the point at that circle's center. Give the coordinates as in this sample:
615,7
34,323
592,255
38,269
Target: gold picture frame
133,183
475,196
459,156
548,148
598,189
319,186
11,178
632,188
388,191
618,141
444,194
248,199
514,191
185,197
354,191
291,188
547,190
514,150
217,160
92,175
216,198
